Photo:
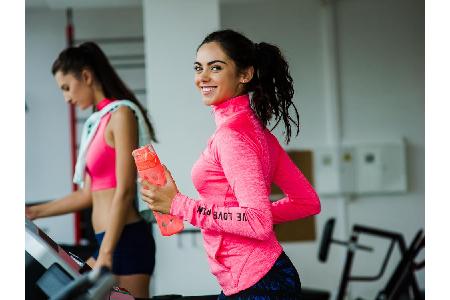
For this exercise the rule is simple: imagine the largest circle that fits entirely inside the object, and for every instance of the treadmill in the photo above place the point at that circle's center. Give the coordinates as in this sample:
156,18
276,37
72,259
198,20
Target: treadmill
52,273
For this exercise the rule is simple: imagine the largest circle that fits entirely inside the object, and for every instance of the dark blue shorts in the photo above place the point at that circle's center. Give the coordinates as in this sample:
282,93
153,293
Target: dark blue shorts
280,283
135,250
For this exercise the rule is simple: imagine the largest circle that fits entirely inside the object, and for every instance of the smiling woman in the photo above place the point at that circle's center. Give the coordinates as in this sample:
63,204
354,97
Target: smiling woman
246,85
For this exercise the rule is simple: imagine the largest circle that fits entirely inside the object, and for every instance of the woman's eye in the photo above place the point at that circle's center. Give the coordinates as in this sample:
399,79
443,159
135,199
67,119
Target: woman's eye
197,68
216,68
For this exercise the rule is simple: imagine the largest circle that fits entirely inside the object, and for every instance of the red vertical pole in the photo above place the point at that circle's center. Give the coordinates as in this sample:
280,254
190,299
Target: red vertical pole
73,126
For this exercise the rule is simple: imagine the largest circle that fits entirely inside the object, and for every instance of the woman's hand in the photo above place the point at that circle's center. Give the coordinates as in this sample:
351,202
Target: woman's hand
159,198
31,212
104,260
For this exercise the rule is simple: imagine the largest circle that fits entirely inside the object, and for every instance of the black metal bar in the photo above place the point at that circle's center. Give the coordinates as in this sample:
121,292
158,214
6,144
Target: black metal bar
339,242
189,231
360,247
378,232
403,277
347,268
383,267
419,265
383,233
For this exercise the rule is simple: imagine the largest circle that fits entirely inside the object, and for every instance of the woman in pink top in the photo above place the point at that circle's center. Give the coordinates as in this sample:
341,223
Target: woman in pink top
247,85
126,244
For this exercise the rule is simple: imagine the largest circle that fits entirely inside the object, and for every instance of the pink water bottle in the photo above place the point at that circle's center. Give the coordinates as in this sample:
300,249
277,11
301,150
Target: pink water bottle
149,168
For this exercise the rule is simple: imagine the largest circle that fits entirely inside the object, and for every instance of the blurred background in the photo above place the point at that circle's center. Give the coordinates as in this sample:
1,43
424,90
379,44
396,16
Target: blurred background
358,71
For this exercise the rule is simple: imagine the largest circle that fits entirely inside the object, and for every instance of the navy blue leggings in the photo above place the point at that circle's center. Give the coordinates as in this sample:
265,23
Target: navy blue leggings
135,251
280,283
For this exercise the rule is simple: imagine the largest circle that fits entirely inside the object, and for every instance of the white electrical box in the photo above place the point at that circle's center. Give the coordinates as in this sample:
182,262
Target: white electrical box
381,168
365,168
334,170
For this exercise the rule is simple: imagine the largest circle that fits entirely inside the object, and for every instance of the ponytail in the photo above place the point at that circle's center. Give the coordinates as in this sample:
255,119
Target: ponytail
273,88
89,55
271,85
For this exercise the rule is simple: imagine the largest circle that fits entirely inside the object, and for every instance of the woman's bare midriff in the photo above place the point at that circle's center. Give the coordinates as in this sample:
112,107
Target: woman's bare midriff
101,205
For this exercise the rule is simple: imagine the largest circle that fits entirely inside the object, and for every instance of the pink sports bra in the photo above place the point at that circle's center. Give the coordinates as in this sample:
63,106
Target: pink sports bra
101,157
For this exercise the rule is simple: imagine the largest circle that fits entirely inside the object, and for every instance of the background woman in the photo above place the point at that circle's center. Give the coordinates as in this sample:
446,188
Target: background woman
105,167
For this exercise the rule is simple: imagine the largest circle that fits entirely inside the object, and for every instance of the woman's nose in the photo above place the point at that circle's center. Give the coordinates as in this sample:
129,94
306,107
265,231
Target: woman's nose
66,96
204,76
201,78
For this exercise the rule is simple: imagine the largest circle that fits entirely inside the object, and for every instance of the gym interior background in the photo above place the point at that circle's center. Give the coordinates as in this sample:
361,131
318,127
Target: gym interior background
358,70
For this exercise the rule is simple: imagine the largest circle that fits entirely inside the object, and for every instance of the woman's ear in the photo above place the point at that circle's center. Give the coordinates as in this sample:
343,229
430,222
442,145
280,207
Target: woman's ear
87,76
247,75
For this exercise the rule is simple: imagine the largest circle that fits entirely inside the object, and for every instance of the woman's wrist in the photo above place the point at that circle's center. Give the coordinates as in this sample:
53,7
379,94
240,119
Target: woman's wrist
174,203
172,200
36,211
105,251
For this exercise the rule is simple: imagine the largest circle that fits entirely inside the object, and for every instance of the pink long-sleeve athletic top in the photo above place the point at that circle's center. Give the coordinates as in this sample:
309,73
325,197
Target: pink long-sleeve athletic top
233,177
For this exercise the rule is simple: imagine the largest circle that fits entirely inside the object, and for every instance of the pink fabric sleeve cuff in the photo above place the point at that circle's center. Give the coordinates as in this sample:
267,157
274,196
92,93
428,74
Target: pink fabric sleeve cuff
182,206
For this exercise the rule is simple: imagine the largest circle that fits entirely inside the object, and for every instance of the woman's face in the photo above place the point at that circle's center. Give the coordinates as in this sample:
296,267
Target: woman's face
76,91
216,75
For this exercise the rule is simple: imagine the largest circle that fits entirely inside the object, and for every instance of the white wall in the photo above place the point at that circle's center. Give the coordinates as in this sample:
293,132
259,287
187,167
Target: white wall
295,27
47,143
173,30
46,132
382,50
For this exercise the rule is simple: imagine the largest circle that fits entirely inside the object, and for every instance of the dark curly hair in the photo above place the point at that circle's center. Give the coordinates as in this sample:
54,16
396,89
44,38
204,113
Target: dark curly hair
89,56
271,84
